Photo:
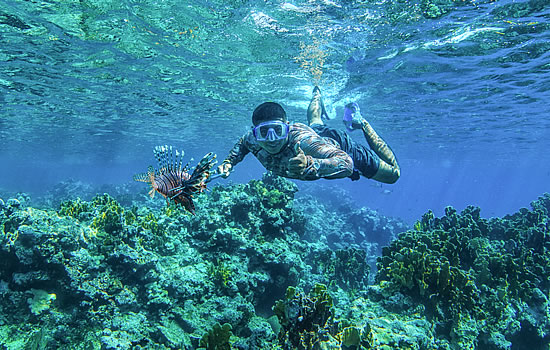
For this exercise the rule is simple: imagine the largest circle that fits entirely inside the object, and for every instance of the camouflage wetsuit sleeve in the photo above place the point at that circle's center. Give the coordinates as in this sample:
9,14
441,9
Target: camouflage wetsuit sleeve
239,151
324,158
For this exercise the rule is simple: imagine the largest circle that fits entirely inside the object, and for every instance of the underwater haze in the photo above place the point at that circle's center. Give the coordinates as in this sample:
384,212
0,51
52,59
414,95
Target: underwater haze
458,89
455,255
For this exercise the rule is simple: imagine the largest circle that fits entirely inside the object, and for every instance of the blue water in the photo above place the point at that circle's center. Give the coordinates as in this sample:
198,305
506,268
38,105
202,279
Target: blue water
88,88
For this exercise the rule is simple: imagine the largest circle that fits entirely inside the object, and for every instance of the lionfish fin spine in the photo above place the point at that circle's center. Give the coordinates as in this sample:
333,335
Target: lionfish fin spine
180,159
168,158
143,177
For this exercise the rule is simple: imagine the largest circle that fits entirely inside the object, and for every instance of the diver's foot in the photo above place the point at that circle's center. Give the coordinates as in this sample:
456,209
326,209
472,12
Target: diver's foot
316,111
317,95
353,118
316,91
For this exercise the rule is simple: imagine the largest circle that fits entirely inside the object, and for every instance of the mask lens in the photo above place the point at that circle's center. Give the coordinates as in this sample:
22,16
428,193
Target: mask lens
264,130
271,130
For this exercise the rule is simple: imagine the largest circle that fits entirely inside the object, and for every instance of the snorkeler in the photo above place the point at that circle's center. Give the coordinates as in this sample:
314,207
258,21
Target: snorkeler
377,163
291,150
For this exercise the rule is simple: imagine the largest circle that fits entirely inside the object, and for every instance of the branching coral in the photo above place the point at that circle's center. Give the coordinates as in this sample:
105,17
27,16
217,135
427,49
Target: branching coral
303,318
74,208
464,267
307,322
260,208
220,273
104,211
109,214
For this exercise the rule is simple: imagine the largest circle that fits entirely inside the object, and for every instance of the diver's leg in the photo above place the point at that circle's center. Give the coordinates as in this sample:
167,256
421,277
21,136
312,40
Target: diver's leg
315,109
386,173
388,170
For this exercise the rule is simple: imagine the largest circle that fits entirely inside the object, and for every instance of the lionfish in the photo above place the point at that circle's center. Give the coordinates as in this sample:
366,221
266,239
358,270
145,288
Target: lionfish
172,179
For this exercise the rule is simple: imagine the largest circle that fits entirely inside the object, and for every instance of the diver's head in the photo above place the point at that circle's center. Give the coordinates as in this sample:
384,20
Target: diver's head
270,127
268,111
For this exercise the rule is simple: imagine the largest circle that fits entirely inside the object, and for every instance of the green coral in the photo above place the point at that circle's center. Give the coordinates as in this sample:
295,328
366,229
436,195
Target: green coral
150,222
347,267
307,322
74,208
299,314
302,317
259,207
108,214
273,192
220,273
105,213
40,301
217,338
469,271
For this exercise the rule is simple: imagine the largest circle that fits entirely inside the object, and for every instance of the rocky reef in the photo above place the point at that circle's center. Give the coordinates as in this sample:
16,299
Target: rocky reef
256,268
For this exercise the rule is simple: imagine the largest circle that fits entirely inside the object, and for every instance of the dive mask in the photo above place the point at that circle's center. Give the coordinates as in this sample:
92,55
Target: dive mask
271,131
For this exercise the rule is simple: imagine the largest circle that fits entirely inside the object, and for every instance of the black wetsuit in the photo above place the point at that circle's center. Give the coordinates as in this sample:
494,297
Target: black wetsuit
364,159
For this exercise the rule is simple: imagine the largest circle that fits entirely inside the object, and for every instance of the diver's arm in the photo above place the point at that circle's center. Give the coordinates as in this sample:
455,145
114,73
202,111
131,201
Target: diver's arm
328,163
235,156
319,158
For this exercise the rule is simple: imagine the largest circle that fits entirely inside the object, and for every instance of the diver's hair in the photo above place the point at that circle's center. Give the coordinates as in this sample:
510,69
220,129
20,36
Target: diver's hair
268,111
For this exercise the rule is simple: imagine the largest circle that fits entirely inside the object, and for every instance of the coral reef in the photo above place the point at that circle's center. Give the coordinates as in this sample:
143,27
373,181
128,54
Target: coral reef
313,322
482,281
100,275
150,275
346,267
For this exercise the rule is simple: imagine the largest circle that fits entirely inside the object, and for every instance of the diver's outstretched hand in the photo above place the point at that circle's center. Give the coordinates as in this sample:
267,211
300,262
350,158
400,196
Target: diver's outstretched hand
224,169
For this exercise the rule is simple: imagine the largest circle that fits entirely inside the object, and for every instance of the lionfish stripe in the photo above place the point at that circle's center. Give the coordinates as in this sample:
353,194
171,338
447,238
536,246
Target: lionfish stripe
173,180
169,181
163,185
